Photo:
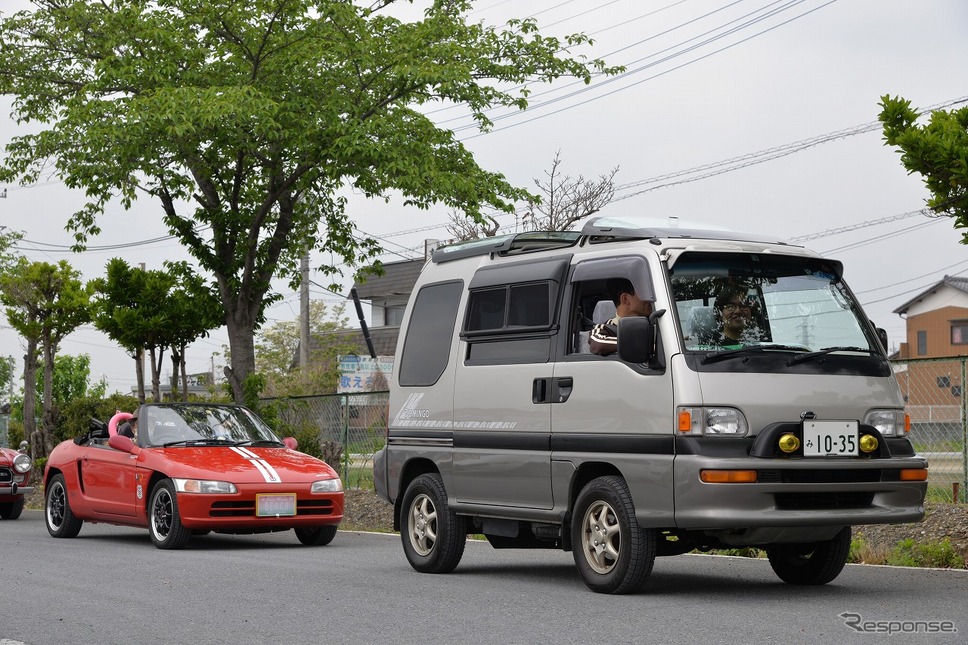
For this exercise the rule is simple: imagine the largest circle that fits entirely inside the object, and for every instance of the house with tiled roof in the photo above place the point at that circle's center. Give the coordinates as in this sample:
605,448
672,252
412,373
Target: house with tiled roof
937,320
937,327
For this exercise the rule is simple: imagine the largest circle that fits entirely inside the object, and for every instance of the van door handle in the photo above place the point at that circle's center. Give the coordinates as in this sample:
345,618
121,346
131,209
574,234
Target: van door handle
561,388
551,390
539,390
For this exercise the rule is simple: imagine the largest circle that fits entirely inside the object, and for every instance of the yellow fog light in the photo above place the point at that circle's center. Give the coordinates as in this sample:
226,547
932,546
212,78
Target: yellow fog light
868,443
788,443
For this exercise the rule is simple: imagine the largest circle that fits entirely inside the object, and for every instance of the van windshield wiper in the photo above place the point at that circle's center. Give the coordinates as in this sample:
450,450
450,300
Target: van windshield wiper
809,356
715,357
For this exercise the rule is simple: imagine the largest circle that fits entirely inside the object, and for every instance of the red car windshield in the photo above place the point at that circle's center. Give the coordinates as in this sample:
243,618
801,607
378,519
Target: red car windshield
201,424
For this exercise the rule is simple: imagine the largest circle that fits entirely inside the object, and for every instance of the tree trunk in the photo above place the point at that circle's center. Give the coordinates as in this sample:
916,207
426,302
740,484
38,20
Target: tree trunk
47,429
184,374
139,361
30,400
156,360
242,349
174,374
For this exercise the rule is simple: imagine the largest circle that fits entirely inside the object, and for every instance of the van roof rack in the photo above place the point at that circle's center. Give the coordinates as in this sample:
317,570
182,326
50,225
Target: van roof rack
642,229
510,244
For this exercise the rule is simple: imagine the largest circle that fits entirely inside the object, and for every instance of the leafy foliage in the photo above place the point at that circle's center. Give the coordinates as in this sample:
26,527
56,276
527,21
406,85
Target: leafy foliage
909,553
244,120
72,379
74,419
937,150
276,347
154,311
44,302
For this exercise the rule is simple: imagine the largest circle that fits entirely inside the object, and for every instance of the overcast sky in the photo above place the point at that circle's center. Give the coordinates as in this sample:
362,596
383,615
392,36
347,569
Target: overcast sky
771,107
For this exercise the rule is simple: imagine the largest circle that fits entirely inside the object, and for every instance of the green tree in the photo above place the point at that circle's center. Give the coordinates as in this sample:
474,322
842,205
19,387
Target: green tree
44,302
72,380
8,375
937,150
192,310
276,348
245,120
150,311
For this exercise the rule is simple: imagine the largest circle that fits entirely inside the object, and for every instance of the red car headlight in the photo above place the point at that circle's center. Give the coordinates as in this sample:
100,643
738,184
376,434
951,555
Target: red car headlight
327,486
21,463
204,486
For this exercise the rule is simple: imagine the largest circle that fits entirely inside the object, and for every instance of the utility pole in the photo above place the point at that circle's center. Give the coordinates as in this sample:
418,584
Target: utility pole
304,312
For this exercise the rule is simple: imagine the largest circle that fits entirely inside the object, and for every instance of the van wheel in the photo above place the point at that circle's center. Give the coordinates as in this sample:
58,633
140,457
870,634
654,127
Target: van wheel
433,536
613,554
811,564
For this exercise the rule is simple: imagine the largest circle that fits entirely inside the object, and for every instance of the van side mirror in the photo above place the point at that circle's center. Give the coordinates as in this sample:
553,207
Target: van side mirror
636,339
882,336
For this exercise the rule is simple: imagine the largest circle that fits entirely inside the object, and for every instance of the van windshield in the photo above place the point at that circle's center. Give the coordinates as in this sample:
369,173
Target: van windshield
731,301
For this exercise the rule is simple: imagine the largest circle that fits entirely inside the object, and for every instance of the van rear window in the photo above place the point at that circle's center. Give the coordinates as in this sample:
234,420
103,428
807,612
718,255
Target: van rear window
425,356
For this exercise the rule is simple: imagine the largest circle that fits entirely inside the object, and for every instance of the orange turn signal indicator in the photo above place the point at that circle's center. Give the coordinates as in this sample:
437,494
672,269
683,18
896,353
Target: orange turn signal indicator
914,474
685,421
727,476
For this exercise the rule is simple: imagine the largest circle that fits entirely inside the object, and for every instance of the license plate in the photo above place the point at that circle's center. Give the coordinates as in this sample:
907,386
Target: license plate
275,505
830,439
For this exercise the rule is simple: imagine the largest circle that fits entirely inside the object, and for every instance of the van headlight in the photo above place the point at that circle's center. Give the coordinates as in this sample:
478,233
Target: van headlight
21,463
717,422
327,486
890,423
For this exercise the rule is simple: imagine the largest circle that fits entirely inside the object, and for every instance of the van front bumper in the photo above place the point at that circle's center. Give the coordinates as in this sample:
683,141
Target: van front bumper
797,493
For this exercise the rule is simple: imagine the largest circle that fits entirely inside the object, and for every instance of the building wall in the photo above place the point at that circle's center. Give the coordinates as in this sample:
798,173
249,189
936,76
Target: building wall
936,326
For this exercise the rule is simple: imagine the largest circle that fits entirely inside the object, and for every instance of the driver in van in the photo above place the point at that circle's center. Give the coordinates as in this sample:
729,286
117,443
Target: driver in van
603,339
735,314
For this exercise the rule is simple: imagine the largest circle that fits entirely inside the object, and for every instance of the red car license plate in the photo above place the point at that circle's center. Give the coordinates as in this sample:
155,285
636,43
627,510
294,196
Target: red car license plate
275,505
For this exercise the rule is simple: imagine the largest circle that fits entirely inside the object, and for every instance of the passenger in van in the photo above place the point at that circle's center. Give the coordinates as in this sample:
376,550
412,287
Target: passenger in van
735,314
603,339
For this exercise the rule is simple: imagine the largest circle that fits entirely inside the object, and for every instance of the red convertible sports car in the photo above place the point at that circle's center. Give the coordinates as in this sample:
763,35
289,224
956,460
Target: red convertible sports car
190,468
14,477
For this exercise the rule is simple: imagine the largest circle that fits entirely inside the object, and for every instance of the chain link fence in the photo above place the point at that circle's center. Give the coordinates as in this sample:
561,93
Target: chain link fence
936,398
349,428
934,390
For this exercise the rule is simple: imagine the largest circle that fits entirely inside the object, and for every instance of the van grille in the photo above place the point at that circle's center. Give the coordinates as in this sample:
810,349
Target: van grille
819,476
820,501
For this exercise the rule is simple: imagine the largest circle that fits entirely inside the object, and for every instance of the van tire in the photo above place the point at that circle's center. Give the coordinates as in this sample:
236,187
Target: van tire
612,552
811,564
433,535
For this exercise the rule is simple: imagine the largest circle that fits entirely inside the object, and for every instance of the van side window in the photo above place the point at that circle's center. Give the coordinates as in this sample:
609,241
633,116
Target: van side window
433,317
514,306
591,301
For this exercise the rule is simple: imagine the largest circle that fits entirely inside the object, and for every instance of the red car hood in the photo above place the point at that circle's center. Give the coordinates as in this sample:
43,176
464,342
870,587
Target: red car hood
240,465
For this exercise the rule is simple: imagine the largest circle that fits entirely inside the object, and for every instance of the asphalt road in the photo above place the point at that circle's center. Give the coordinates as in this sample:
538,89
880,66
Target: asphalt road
110,585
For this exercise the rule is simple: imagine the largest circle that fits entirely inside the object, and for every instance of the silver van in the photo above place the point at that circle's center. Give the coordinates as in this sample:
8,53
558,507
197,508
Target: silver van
690,436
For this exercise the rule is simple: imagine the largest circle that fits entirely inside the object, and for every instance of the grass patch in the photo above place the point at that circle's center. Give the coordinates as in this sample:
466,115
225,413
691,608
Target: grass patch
909,553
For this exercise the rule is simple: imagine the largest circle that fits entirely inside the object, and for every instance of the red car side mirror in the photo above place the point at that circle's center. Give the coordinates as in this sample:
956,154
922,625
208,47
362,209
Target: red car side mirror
120,442
290,442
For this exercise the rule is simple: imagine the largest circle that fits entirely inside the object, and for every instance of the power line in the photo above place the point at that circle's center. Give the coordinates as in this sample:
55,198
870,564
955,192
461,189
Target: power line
639,82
